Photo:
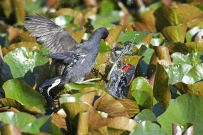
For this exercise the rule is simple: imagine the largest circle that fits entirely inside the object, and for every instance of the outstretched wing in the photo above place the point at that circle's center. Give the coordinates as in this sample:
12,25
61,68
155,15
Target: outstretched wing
53,37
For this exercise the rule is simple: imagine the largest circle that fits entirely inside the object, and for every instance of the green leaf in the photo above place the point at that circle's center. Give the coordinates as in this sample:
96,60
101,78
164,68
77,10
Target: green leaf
143,98
104,47
194,75
175,33
148,128
161,90
20,119
21,60
191,59
42,124
107,7
176,14
142,92
176,72
156,41
133,36
75,86
106,20
186,108
145,114
21,92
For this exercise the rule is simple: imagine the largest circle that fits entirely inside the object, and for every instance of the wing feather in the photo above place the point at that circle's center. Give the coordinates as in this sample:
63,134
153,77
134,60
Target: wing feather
53,37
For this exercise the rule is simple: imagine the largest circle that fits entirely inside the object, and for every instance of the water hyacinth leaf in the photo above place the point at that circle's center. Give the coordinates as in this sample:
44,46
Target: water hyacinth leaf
161,90
21,92
179,112
146,128
176,72
190,33
194,75
145,115
42,124
20,119
191,58
21,60
176,14
175,33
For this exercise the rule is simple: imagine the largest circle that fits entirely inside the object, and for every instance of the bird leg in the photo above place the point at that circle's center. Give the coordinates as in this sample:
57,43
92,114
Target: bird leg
89,81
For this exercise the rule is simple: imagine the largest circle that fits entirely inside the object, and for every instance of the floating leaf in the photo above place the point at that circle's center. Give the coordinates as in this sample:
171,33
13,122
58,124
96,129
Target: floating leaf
42,124
194,75
176,72
20,119
146,128
21,60
145,115
142,92
21,92
179,112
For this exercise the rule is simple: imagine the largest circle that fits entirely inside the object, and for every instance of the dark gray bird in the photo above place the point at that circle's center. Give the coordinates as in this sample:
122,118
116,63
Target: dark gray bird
78,59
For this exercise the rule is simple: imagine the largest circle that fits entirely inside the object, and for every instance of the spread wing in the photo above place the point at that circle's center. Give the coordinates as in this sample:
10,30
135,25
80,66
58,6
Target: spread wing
53,37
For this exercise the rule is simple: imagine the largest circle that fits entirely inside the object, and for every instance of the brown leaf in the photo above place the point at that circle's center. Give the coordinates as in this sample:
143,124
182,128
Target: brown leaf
59,119
78,17
130,105
10,129
89,96
111,106
30,45
18,6
122,123
162,52
114,34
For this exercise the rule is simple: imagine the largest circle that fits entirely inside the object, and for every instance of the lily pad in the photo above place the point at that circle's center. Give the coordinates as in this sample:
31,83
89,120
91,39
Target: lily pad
145,114
148,128
21,60
184,109
21,92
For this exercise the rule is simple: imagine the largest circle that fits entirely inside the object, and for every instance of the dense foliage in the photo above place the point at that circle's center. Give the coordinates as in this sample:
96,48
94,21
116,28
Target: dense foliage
164,97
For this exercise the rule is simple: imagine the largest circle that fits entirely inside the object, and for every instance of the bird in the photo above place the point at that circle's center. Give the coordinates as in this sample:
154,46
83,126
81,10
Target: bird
78,58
